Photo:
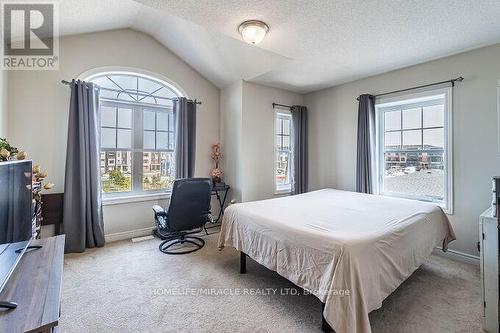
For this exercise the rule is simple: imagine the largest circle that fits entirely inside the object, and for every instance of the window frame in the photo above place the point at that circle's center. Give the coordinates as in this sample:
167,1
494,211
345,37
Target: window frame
282,189
137,147
388,104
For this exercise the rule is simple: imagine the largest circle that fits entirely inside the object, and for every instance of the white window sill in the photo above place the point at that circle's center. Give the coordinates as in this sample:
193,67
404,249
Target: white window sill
134,198
447,211
283,190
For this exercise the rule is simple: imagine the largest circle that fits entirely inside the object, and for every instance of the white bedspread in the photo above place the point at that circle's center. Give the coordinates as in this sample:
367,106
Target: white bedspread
330,241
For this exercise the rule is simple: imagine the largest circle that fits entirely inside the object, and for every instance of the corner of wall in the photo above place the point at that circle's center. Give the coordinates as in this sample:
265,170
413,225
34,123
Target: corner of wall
248,132
3,104
230,136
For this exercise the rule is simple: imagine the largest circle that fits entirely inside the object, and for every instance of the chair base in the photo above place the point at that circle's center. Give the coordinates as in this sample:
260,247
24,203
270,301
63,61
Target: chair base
7,305
168,243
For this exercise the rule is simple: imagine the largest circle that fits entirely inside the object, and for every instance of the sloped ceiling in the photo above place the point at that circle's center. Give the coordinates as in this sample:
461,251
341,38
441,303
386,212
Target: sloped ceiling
219,58
311,45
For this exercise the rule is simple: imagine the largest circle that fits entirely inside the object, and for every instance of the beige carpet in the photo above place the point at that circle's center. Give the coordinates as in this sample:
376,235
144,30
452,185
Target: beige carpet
124,287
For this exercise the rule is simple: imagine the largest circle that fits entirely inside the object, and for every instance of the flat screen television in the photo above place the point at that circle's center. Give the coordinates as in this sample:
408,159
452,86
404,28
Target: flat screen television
16,217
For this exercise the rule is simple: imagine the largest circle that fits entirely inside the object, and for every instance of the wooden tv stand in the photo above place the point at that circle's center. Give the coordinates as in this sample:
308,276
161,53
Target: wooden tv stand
35,286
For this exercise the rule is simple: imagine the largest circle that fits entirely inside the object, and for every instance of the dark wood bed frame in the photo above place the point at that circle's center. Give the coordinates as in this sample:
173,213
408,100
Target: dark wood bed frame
325,327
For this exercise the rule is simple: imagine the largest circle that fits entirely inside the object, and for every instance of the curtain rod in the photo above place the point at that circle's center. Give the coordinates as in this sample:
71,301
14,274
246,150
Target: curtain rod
171,99
452,81
282,105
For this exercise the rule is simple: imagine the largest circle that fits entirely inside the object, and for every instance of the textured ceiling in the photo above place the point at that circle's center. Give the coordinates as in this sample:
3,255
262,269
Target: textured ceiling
77,16
219,58
311,45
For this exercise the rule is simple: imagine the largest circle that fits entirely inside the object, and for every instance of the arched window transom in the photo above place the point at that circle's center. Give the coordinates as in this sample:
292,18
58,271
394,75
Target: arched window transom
135,88
137,133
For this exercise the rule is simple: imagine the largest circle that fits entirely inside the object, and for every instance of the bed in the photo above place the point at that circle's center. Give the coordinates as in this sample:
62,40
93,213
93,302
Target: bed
350,250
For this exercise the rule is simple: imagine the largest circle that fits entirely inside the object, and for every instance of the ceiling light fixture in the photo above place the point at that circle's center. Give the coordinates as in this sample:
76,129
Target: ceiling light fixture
253,31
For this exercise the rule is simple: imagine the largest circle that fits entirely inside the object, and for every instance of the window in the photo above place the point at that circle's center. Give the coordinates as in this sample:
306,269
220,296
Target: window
414,147
283,152
137,134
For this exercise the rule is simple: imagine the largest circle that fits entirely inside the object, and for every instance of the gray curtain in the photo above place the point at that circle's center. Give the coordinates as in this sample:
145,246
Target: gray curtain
366,144
300,151
185,143
82,215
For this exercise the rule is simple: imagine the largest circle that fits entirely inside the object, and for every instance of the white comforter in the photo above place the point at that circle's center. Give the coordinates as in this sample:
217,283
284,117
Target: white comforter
330,241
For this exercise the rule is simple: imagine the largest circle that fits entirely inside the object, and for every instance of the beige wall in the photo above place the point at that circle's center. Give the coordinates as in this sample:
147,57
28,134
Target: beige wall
248,137
258,138
38,106
231,107
333,126
3,104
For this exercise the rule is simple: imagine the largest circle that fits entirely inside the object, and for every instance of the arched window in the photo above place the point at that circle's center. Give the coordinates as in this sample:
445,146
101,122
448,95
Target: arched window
137,133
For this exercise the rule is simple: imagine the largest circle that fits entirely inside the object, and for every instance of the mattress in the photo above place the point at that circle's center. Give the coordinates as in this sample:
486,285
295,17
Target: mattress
351,250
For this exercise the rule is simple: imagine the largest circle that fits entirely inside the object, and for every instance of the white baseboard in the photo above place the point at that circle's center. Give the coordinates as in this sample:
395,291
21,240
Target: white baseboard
457,256
128,234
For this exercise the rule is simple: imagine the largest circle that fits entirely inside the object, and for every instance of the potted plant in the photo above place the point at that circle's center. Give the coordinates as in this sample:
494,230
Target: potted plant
10,153
38,185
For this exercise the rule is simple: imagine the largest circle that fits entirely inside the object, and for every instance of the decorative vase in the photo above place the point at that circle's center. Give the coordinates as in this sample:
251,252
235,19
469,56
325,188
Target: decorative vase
37,209
38,221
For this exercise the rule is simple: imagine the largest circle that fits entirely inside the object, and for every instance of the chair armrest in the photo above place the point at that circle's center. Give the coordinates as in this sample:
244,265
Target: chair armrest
159,210
161,220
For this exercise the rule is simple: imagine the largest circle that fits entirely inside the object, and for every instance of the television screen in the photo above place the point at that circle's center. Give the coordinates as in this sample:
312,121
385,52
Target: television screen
16,214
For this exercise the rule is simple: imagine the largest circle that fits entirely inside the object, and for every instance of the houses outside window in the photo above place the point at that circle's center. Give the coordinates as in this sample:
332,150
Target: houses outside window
283,152
137,134
414,147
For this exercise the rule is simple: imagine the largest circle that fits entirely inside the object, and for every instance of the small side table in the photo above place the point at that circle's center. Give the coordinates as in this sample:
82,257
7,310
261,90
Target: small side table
220,192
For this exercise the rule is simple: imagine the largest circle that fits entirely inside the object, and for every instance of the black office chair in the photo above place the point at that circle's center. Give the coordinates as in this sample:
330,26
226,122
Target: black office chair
188,212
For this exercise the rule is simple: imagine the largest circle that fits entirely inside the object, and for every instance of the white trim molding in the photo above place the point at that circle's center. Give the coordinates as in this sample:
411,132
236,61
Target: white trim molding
135,198
128,234
457,256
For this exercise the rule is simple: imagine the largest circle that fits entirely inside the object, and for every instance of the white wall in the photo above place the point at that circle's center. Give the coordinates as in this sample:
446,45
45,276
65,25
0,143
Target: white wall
333,127
3,104
248,137
38,106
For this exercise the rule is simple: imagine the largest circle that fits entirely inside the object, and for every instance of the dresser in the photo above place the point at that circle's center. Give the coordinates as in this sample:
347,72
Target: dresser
488,245
36,286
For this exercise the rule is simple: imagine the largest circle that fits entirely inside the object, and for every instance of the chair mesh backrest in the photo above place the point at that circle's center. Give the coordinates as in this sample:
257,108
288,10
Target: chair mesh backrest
190,203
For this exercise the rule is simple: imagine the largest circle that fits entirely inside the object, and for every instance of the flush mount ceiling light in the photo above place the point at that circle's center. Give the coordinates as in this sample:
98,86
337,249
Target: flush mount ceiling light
253,31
